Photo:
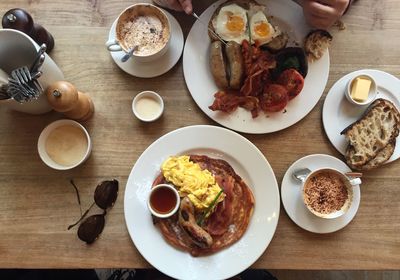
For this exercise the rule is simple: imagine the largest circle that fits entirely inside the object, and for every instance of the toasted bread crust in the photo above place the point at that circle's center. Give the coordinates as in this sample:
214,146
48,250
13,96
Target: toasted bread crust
372,138
316,43
381,157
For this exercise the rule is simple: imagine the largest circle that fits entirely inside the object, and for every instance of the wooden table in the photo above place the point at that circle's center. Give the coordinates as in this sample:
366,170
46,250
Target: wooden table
37,203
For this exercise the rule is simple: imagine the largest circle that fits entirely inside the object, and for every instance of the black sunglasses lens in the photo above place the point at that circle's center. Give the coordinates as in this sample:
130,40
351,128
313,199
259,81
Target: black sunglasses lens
91,228
106,194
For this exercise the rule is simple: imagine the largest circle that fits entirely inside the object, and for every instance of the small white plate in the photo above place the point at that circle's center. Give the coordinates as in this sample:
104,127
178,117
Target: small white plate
153,68
293,202
338,112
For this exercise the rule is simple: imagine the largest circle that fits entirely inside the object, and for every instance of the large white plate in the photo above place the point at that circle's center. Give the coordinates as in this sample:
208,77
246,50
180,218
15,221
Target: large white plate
293,202
338,113
247,161
201,85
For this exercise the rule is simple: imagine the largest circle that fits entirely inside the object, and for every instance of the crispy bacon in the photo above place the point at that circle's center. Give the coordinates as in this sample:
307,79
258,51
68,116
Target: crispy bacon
247,56
220,219
228,102
257,65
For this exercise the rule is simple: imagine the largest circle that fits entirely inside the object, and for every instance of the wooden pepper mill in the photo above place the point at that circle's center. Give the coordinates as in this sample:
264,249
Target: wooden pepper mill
65,98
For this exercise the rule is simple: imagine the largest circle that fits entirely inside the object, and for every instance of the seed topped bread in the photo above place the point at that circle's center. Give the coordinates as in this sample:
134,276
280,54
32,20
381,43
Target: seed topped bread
372,138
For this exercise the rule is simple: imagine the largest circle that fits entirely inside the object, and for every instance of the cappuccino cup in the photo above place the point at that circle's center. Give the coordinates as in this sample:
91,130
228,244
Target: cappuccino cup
144,28
328,193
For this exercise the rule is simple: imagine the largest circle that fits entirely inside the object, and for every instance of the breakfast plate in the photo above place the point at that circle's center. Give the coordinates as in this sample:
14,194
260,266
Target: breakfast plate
338,112
247,161
153,68
293,202
202,87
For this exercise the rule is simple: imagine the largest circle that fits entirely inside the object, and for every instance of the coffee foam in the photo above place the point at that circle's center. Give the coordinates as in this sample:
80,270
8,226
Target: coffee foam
145,27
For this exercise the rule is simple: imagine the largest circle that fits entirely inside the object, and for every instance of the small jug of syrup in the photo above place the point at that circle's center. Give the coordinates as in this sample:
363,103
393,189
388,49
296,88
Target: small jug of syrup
163,201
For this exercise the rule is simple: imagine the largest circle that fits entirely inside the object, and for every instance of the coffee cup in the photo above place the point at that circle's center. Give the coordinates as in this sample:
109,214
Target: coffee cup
16,50
328,192
64,144
144,28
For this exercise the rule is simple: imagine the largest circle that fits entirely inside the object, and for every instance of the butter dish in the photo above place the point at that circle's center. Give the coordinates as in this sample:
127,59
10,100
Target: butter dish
361,90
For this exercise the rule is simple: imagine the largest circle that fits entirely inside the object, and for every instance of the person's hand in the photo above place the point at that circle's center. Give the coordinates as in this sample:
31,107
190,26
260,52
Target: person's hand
177,5
323,13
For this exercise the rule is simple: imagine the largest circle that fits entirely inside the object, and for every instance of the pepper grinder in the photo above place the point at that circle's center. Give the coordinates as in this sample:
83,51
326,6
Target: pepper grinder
65,98
21,20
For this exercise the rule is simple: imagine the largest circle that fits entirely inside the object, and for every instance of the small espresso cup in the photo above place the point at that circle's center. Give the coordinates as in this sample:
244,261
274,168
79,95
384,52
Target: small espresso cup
145,28
328,192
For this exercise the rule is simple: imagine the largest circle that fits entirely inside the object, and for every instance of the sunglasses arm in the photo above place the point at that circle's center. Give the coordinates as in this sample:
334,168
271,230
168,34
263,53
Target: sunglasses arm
81,218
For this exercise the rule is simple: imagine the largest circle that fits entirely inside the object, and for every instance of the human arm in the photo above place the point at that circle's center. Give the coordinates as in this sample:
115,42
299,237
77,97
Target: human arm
177,5
323,13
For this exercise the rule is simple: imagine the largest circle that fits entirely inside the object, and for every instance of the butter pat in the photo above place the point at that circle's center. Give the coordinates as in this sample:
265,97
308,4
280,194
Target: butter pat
360,89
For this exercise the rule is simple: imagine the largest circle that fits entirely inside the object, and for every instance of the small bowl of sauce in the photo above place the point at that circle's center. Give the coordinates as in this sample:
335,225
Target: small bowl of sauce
361,90
163,201
64,144
148,106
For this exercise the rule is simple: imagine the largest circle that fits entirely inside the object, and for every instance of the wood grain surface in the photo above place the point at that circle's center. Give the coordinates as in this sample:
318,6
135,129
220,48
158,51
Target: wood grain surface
38,203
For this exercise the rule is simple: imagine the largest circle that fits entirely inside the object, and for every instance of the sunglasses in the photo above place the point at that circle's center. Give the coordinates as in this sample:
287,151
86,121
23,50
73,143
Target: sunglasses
105,196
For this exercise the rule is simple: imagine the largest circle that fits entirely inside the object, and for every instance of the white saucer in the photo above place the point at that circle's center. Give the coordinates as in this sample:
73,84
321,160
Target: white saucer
153,68
293,203
338,112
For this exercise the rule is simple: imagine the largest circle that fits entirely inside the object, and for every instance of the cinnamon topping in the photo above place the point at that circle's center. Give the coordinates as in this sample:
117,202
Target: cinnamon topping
325,192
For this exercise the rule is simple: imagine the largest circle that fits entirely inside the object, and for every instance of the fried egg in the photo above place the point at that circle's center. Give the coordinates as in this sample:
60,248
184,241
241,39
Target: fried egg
198,185
261,30
231,23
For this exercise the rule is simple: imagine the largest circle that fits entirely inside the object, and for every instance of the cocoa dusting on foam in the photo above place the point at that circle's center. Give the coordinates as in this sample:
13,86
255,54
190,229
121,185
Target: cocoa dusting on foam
146,31
325,192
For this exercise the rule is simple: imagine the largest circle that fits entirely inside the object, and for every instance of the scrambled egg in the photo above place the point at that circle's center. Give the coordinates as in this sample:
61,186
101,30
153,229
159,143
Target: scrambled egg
197,184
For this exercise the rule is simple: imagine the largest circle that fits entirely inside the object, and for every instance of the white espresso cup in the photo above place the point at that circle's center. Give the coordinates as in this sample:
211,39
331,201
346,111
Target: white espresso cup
144,27
16,50
328,192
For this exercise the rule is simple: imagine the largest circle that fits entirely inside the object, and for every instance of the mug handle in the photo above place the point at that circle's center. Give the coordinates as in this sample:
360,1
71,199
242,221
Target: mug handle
113,45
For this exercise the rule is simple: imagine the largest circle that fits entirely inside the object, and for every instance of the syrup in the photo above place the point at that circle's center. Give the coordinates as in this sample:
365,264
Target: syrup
163,200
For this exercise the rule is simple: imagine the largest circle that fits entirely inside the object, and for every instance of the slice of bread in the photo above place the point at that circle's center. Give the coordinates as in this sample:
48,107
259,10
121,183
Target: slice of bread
381,157
372,137
316,43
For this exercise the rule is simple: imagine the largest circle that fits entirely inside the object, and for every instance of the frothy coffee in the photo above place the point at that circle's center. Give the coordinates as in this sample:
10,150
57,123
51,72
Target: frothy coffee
144,27
325,192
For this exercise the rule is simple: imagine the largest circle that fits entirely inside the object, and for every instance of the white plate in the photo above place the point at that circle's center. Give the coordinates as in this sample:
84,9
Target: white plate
247,161
201,85
293,202
338,112
153,68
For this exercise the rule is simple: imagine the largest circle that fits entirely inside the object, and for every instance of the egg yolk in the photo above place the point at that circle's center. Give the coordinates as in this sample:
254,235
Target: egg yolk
262,29
235,23
197,184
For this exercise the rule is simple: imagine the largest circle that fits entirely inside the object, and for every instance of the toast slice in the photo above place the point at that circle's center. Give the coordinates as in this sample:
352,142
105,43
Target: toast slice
372,137
316,43
382,156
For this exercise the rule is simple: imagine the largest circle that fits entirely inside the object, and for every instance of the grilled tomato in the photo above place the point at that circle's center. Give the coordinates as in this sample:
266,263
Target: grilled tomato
293,81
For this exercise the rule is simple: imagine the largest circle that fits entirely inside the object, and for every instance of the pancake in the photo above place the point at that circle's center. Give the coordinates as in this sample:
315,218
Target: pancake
226,224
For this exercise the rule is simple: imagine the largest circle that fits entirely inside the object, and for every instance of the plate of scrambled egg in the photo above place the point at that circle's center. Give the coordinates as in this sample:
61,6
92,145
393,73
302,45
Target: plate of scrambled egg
166,155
